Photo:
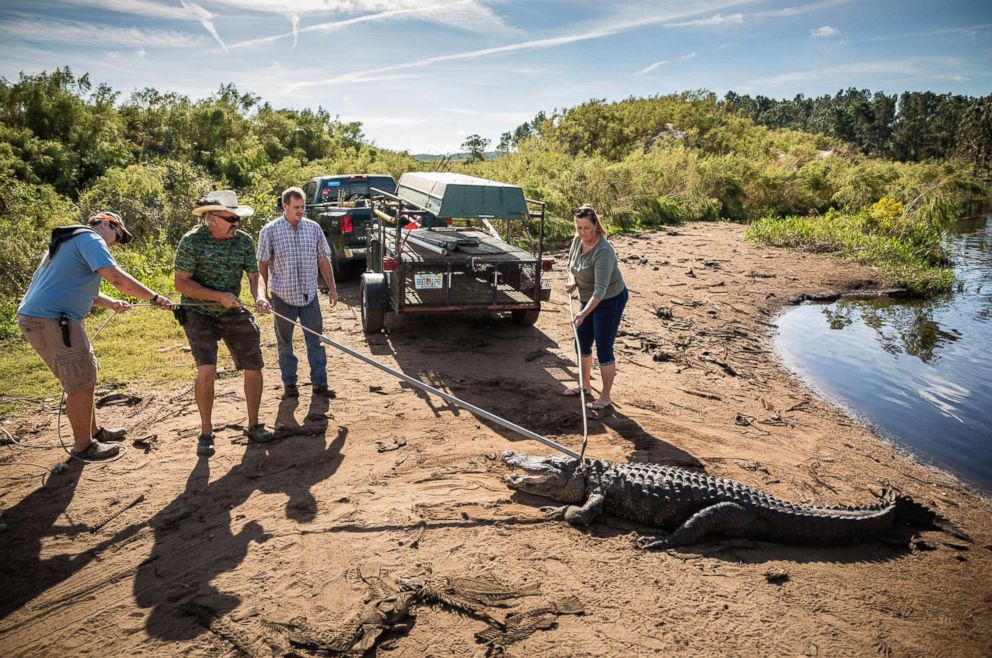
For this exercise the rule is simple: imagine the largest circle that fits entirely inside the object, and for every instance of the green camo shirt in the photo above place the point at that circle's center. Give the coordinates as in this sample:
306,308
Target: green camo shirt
216,264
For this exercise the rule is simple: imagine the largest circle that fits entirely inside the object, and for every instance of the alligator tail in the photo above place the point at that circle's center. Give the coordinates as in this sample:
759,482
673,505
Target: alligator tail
914,513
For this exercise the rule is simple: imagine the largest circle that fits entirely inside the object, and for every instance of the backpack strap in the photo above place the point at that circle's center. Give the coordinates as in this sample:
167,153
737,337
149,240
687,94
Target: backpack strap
63,234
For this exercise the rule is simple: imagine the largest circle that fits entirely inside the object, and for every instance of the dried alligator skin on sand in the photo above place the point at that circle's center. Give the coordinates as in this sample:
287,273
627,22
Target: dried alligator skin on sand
698,507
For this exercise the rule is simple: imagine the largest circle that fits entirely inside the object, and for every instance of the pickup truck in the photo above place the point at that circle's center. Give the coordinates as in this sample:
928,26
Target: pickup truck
342,207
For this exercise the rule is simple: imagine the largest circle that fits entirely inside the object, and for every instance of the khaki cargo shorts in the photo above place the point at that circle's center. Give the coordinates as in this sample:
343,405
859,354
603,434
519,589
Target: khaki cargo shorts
74,366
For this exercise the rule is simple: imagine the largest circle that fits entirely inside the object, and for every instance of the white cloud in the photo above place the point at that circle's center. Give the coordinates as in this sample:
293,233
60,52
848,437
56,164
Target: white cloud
824,31
971,31
112,36
803,9
330,26
206,20
149,9
515,118
665,62
717,19
466,15
898,67
136,7
378,122
552,42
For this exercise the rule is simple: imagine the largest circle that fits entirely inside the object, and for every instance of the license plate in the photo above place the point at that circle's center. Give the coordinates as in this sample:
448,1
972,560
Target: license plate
428,281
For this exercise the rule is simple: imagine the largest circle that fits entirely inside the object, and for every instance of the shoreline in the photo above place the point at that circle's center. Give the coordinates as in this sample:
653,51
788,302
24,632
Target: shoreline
384,476
865,423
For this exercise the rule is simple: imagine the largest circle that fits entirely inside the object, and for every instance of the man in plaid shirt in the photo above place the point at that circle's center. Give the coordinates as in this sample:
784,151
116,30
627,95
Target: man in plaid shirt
291,249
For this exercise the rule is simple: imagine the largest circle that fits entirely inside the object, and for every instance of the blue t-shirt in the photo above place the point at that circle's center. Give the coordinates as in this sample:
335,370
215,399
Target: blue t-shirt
69,282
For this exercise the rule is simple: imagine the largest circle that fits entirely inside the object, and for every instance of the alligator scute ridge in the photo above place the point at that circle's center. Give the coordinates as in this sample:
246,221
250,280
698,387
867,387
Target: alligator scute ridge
698,507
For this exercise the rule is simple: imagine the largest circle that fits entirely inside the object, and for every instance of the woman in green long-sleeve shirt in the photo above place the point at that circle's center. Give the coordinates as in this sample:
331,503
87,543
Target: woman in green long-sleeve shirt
593,270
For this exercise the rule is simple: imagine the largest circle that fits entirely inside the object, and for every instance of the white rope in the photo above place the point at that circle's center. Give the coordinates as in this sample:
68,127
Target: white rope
58,421
395,373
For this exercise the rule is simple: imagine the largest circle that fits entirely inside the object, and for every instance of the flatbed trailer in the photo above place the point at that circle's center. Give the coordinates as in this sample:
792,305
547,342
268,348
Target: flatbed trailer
434,247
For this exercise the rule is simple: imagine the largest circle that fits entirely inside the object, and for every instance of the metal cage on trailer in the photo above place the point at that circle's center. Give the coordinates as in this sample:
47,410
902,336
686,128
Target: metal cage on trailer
435,248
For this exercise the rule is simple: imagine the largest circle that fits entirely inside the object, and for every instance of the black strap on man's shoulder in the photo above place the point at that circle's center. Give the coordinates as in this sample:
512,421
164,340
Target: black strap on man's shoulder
64,234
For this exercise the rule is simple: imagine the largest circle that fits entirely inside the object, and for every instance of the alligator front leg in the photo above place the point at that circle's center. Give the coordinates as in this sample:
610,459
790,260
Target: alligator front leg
578,515
724,518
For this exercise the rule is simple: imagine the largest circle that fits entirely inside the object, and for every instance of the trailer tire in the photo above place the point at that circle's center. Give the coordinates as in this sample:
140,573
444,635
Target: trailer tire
525,318
373,291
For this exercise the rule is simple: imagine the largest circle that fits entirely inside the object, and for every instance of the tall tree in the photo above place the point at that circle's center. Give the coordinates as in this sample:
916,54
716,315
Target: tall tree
476,147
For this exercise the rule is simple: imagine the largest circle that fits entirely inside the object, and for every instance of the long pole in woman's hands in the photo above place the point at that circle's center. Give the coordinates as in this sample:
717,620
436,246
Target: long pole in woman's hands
582,383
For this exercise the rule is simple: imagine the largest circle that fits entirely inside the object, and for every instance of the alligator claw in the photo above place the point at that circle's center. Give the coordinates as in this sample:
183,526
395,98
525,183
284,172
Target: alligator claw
556,513
650,543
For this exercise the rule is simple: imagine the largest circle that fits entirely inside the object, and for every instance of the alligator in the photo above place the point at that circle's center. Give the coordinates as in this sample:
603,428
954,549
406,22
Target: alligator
697,507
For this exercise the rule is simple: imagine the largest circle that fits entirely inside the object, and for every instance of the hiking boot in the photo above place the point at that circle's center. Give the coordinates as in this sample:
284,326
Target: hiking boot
290,391
96,451
105,435
323,391
205,447
258,434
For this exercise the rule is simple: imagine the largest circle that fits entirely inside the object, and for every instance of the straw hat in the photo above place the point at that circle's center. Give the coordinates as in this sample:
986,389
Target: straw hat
222,200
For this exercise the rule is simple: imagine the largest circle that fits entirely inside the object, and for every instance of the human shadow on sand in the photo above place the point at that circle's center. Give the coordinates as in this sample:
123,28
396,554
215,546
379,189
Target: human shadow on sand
487,361
195,537
23,572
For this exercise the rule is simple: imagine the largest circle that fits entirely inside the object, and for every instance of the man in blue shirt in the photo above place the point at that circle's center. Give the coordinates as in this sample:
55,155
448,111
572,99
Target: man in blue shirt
291,250
63,289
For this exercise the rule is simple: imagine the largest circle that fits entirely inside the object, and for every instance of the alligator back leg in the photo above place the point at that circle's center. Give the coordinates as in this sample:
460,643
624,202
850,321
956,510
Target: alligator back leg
584,515
725,518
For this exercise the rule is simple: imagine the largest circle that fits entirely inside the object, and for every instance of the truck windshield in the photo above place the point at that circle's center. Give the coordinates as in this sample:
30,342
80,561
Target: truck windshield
344,190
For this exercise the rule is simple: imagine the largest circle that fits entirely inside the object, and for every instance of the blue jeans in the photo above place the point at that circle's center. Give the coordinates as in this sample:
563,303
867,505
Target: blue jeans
309,317
602,326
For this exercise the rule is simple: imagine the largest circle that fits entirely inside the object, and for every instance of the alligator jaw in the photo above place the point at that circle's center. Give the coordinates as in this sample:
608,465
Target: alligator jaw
525,461
515,481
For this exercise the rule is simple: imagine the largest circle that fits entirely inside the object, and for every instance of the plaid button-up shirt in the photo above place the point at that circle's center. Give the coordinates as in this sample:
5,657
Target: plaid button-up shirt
292,257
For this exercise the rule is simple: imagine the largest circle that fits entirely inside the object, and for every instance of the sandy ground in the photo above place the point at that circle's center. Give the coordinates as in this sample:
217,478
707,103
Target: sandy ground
106,559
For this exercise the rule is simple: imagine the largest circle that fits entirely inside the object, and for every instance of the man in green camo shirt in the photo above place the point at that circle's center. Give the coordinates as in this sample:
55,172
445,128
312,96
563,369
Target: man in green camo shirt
210,262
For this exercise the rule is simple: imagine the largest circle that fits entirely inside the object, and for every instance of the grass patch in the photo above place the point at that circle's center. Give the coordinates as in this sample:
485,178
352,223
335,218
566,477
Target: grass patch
142,349
911,258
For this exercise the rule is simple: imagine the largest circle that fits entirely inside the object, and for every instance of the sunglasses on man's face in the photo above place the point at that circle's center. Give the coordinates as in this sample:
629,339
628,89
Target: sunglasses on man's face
230,220
118,233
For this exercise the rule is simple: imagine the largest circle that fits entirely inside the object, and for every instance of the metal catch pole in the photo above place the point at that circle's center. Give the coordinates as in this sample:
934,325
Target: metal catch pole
582,383
441,394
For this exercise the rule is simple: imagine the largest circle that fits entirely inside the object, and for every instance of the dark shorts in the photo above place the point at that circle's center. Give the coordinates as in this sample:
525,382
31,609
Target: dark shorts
238,331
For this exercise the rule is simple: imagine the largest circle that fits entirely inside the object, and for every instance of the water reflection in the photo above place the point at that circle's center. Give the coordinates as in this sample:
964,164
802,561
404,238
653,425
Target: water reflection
900,327
920,371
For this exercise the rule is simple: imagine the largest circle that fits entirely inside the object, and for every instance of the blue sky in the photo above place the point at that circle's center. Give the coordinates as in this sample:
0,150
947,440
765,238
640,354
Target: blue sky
421,75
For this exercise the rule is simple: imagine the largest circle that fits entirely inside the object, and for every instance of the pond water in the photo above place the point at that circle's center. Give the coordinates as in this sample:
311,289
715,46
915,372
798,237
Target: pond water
920,372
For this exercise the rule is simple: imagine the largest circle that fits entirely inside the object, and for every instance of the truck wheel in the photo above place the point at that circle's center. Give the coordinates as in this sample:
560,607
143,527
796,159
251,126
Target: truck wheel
525,318
373,290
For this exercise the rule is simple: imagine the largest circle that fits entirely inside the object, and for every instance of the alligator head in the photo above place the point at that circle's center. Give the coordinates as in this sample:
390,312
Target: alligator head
557,478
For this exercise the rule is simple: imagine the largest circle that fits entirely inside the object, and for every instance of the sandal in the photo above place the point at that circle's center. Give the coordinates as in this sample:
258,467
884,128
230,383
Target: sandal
599,411
574,392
